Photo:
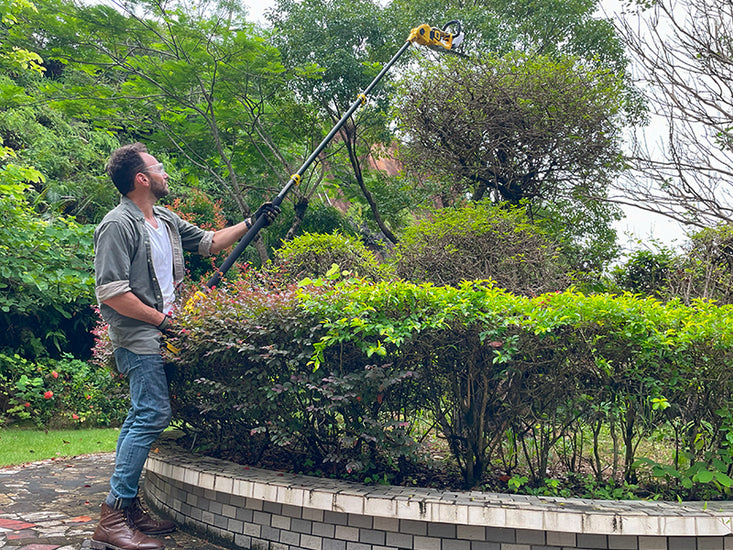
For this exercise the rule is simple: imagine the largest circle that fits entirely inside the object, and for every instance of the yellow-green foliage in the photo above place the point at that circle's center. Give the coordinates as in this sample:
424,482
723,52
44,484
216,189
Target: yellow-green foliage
481,241
313,255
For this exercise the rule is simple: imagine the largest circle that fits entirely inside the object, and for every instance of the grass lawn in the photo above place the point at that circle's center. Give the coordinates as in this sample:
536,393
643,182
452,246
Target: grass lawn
20,445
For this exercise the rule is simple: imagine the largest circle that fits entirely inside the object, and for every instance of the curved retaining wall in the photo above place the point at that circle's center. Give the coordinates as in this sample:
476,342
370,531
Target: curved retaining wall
244,507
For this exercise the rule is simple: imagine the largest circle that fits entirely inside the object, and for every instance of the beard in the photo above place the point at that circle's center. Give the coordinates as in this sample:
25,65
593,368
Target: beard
159,190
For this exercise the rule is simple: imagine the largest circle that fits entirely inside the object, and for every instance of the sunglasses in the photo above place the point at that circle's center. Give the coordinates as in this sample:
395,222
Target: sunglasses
157,168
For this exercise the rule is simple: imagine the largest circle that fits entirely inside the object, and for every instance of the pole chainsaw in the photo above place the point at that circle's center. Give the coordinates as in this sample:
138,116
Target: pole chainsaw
424,35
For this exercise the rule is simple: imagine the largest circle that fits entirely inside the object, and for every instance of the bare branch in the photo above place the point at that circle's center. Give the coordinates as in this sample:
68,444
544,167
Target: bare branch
684,65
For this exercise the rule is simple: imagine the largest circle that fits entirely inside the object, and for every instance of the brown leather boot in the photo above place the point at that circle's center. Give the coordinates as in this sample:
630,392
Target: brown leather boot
146,523
115,531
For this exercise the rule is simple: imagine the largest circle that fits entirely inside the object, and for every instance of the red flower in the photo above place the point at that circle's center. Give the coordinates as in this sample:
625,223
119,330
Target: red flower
75,416
26,405
55,374
48,395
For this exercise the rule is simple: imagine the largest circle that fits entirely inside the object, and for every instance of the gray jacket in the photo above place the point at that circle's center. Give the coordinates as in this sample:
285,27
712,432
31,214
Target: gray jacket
123,262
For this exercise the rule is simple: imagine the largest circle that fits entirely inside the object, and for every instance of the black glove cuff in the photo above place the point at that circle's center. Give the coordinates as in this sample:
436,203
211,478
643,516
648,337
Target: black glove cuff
165,323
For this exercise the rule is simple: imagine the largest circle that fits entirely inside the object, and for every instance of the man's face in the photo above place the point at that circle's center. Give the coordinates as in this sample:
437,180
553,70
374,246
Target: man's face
156,175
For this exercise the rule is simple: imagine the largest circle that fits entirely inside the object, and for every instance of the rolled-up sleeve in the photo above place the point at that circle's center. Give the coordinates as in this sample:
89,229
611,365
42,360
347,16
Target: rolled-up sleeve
110,290
195,239
111,262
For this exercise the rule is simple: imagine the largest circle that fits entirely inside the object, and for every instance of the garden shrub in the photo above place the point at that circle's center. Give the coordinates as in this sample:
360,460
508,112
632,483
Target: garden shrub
46,288
313,255
324,219
354,376
481,241
245,383
60,393
646,272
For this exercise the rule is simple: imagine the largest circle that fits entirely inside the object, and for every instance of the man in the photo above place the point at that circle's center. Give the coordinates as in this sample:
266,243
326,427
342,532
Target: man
138,262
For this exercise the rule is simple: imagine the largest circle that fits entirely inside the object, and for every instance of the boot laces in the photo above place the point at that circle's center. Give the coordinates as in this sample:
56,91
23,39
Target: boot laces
128,518
137,506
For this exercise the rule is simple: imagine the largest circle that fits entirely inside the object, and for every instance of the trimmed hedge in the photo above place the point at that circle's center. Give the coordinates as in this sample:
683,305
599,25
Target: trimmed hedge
314,254
481,241
356,376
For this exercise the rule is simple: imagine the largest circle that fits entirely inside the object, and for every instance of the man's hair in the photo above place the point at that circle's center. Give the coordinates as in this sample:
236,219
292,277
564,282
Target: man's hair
123,164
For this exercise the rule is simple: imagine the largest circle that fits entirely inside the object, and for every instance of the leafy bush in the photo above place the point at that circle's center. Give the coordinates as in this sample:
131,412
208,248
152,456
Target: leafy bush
481,241
46,284
60,393
244,384
646,272
321,218
354,376
705,270
313,255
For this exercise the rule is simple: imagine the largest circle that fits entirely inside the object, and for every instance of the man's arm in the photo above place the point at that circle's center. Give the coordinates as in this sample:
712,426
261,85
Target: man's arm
129,305
224,238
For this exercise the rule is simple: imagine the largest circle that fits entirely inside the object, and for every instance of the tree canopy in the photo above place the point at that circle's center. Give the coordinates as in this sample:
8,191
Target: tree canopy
518,129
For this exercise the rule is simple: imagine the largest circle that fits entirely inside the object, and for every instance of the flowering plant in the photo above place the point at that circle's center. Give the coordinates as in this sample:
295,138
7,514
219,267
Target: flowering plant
60,393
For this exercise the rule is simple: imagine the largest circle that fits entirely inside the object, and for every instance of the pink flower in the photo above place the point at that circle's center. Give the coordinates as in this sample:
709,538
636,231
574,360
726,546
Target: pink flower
75,416
55,374
48,395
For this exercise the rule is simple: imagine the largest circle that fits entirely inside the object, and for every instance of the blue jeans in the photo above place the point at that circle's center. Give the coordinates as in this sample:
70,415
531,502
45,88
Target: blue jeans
149,415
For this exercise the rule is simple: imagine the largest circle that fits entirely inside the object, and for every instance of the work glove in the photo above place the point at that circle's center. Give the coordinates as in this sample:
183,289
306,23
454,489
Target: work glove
170,330
270,212
169,327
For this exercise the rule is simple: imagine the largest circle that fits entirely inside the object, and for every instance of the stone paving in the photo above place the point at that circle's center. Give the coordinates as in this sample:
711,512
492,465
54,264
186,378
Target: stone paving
54,505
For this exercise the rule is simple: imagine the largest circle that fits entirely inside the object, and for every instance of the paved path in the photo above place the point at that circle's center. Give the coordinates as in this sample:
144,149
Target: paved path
54,505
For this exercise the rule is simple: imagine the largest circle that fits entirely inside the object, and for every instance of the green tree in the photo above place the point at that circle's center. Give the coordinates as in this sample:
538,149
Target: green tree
46,288
69,153
553,28
192,80
46,285
521,129
345,44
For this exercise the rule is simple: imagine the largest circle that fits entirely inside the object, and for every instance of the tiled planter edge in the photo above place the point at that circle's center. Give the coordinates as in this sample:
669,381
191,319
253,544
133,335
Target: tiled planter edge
244,507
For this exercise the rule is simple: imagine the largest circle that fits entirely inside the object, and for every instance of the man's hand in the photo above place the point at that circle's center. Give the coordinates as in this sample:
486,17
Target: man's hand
270,212
168,326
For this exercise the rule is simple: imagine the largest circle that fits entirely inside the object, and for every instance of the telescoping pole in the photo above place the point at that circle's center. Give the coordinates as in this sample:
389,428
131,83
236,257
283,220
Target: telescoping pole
424,35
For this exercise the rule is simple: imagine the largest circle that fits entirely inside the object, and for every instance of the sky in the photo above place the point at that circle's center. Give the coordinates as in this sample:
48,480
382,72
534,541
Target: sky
639,227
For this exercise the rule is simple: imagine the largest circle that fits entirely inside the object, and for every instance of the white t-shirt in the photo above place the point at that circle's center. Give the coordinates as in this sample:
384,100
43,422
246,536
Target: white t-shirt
160,245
